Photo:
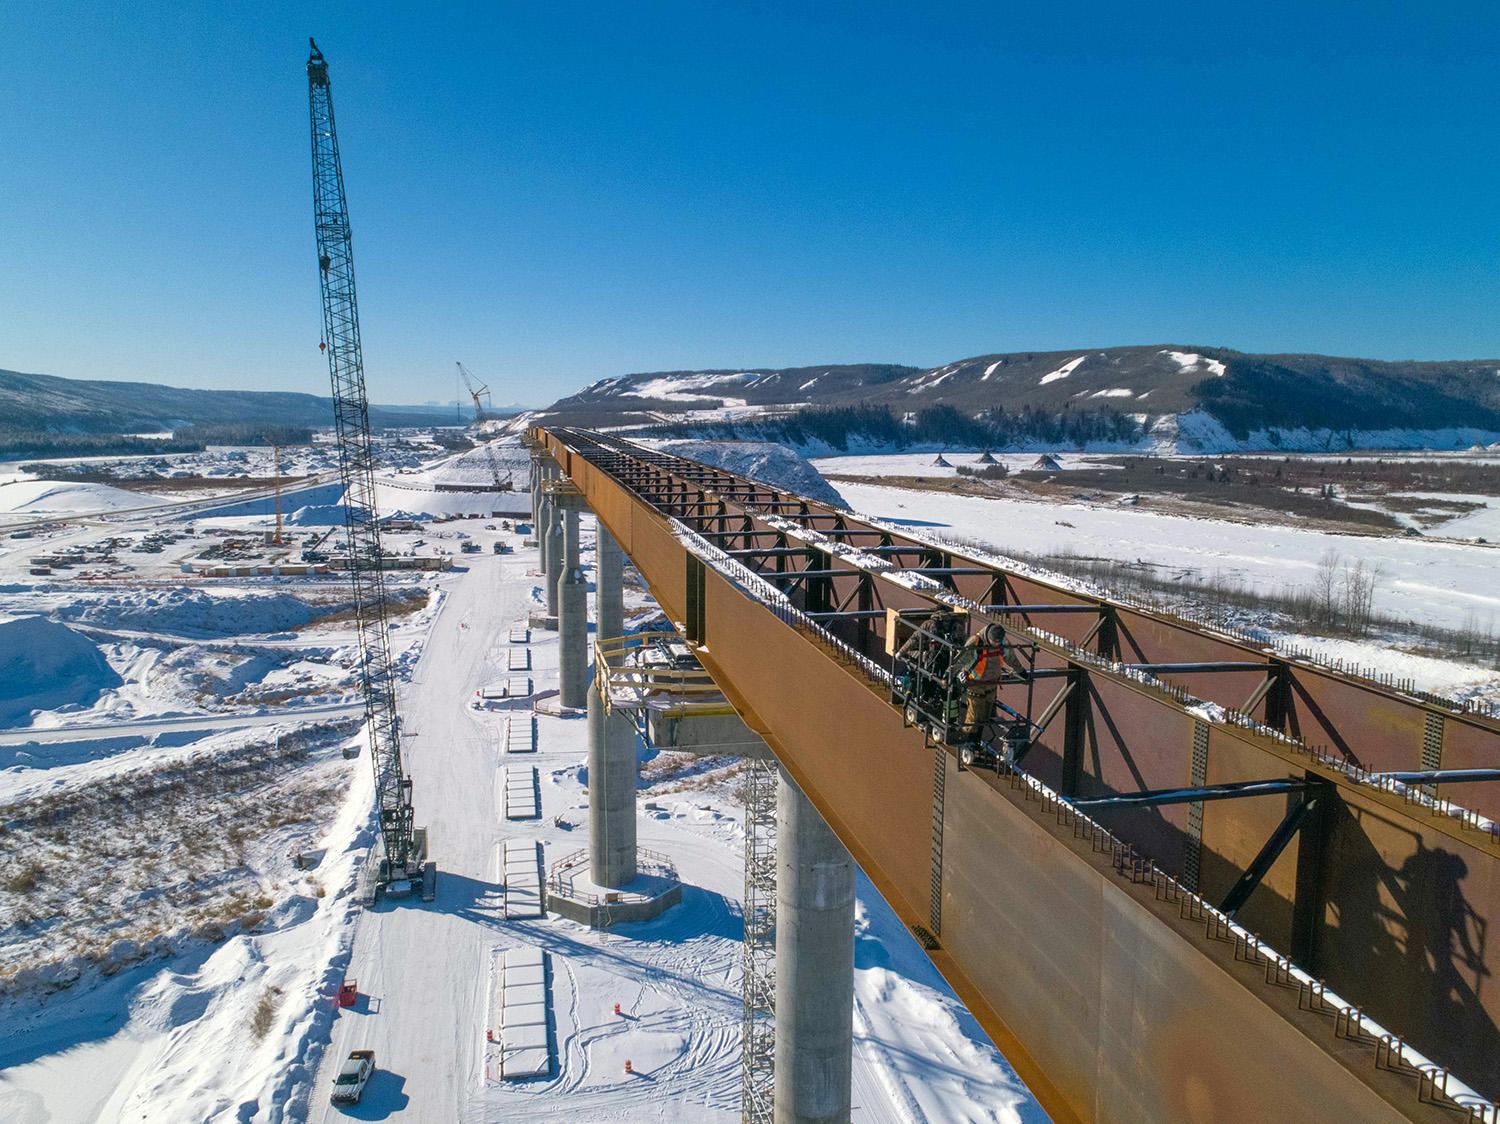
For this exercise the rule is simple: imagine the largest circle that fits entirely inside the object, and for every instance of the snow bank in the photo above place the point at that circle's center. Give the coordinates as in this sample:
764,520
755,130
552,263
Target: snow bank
1062,372
773,464
317,515
61,496
192,612
334,515
45,665
472,468
266,505
1192,361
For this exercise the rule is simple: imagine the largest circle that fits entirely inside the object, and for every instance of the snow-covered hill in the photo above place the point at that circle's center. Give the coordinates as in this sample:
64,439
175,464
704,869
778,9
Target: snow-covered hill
50,404
1165,397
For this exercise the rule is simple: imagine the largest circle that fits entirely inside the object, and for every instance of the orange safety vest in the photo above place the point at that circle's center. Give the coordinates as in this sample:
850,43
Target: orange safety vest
991,666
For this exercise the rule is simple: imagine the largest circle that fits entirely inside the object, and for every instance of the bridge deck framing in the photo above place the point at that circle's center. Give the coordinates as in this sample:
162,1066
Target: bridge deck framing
1114,988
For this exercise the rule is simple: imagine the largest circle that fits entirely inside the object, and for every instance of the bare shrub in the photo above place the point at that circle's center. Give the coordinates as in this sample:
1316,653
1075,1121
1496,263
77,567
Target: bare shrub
1357,594
1325,589
24,880
265,1012
193,833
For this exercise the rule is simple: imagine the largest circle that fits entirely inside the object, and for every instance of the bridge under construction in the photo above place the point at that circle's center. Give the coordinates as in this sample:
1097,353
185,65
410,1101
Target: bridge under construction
1203,881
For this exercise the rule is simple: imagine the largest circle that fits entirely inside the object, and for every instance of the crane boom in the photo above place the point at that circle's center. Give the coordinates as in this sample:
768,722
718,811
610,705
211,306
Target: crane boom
501,485
474,391
351,416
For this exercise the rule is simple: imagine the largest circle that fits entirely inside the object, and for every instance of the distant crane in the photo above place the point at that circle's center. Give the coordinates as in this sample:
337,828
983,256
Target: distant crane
507,483
474,391
404,845
276,471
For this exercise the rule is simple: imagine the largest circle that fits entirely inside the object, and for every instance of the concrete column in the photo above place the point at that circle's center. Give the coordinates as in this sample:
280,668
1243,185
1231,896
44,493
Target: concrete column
539,529
609,585
572,620
538,478
612,778
555,550
814,964
613,768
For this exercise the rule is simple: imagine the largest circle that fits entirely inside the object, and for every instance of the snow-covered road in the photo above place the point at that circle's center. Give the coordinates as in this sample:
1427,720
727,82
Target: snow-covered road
424,967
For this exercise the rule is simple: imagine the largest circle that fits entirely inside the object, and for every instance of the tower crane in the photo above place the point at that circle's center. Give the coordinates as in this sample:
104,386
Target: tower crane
474,391
404,846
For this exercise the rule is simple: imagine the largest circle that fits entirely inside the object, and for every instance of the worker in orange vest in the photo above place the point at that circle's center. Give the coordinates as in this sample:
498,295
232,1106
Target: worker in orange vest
981,664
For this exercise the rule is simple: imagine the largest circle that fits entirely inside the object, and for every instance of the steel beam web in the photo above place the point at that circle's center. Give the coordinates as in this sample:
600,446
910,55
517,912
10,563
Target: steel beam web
351,417
638,484
758,1032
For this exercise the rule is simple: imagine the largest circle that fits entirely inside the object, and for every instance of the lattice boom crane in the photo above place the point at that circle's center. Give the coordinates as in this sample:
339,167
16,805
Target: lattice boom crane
475,391
404,844
502,484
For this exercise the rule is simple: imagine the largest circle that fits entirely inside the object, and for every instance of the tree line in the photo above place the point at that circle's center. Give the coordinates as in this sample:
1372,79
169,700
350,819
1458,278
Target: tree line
944,425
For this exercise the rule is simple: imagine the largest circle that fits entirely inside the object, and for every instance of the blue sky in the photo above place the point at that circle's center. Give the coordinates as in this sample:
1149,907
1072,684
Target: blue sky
556,193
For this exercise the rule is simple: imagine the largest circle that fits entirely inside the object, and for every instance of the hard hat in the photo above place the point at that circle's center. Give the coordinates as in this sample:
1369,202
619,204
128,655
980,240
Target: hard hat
994,635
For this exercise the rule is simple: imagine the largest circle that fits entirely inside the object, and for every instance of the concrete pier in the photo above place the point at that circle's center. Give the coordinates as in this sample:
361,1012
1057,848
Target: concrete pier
572,620
612,758
539,476
553,551
609,565
814,964
539,530
612,779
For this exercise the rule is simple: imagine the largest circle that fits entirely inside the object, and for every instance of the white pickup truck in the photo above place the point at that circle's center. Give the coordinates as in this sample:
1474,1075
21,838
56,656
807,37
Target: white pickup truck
349,1085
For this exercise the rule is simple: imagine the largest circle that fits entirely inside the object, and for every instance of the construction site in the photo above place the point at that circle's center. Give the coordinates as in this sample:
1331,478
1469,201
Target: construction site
573,776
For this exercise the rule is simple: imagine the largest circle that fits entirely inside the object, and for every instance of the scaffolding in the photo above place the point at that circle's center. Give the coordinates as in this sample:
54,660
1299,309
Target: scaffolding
758,1035
655,671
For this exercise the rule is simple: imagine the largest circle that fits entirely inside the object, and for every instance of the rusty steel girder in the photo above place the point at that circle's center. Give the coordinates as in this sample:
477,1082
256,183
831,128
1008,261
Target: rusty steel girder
1088,947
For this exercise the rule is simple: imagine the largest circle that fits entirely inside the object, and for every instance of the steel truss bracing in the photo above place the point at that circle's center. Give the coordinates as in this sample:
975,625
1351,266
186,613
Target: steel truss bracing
357,469
792,599
758,1033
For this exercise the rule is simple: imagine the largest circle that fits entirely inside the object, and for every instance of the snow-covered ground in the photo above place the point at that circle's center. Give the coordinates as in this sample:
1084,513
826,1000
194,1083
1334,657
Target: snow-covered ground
43,497
927,464
1448,584
71,657
188,969
676,979
1434,520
